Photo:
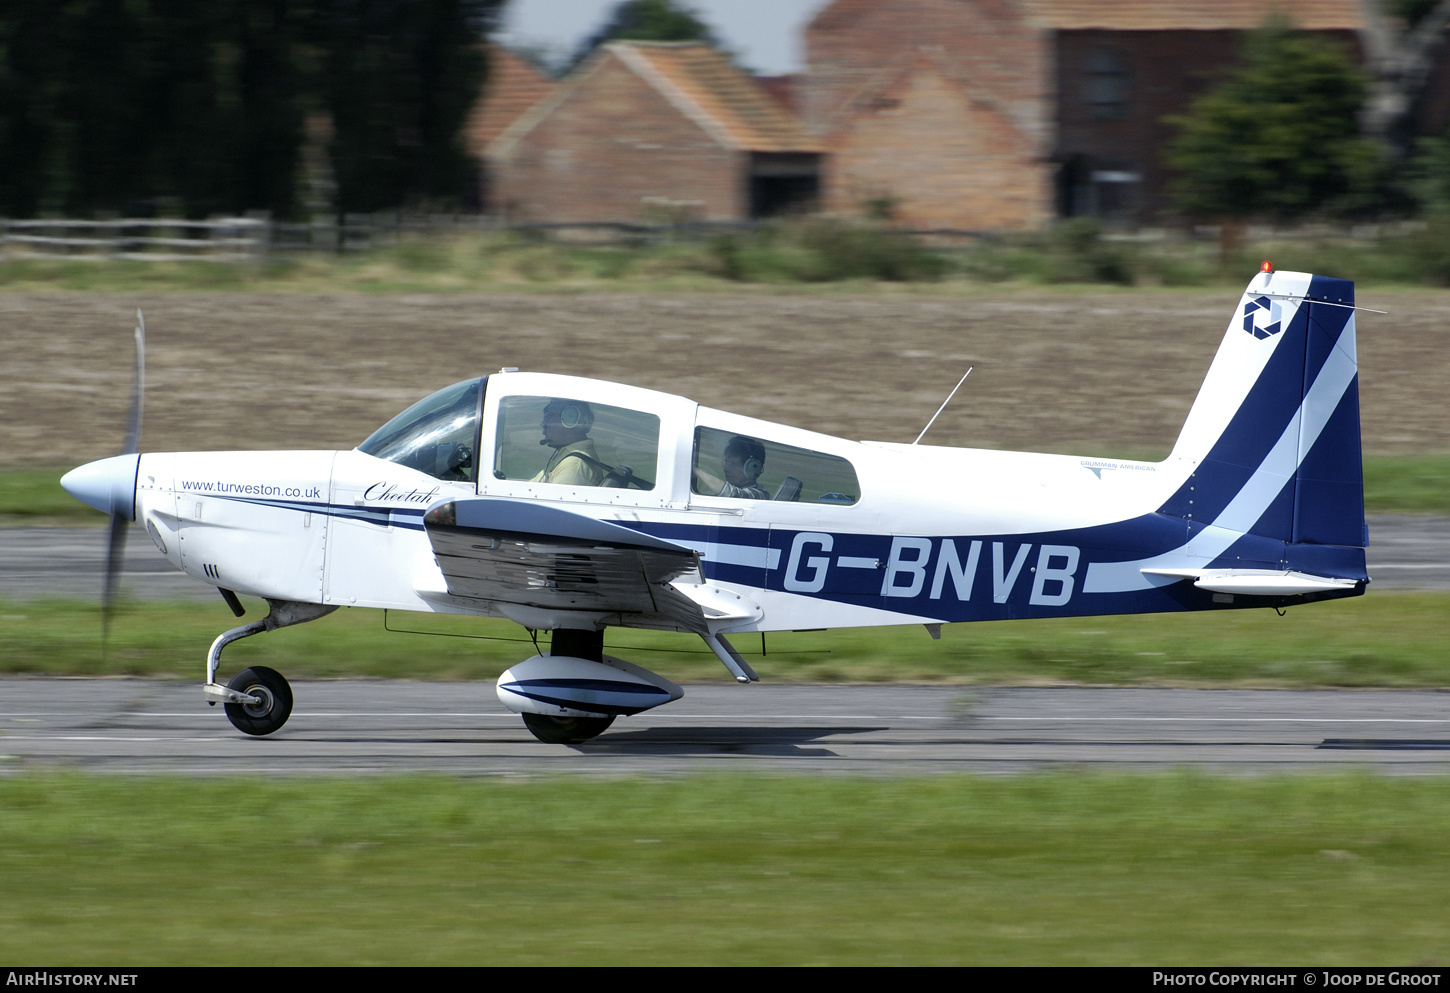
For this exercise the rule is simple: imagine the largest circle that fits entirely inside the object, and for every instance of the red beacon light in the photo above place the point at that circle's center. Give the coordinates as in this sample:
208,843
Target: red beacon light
1266,266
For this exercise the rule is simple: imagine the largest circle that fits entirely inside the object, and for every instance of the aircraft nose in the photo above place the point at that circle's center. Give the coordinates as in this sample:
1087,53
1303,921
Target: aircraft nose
109,485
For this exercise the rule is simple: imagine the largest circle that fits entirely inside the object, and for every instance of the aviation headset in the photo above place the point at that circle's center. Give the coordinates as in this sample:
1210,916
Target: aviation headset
750,463
573,415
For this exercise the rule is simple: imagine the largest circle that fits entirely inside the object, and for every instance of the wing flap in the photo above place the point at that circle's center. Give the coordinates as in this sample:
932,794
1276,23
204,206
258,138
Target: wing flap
545,557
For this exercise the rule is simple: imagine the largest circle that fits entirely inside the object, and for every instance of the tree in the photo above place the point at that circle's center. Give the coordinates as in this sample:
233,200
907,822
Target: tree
399,77
111,105
108,104
1429,176
1279,138
1401,39
647,20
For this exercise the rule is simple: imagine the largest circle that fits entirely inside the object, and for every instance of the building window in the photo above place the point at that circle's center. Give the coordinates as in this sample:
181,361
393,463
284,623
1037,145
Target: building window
1107,84
784,183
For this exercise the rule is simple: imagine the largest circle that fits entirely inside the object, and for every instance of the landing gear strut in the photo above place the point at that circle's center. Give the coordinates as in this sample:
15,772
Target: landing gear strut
258,700
575,692
570,730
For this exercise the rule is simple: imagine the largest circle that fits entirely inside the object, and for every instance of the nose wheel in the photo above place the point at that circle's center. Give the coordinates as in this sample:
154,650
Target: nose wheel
258,700
273,696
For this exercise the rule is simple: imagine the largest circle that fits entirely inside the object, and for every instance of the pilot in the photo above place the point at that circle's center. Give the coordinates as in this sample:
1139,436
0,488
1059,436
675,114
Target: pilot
566,427
743,462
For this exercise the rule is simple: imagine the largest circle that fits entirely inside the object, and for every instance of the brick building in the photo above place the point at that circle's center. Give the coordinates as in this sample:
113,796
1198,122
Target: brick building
985,114
1121,68
940,107
643,128
513,86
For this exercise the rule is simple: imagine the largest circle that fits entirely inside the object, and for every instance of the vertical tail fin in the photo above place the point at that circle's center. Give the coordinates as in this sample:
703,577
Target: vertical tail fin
1272,442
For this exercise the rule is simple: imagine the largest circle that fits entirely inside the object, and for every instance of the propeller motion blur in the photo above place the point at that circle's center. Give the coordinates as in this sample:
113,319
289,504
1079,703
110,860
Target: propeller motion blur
572,505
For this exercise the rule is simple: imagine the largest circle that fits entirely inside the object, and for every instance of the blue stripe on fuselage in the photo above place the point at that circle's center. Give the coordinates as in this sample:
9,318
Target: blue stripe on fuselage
994,577
409,518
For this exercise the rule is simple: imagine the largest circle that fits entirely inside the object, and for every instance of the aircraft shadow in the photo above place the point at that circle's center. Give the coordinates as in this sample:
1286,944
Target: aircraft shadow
791,741
1387,744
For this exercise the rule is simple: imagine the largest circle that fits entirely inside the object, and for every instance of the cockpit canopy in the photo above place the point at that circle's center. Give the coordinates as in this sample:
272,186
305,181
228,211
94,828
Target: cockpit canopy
555,431
436,435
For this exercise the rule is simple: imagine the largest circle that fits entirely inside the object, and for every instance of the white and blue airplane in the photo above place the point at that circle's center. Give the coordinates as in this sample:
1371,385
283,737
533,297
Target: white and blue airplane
571,505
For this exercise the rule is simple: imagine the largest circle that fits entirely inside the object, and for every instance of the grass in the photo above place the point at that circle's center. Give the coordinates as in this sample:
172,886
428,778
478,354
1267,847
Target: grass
1053,869
440,264
1067,868
32,497
1407,485
1381,639
802,252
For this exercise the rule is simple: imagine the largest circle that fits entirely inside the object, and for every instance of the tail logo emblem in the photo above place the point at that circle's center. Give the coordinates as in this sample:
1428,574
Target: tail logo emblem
1263,318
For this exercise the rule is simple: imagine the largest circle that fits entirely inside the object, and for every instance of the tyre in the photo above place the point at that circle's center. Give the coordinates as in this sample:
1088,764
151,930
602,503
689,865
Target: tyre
271,711
565,730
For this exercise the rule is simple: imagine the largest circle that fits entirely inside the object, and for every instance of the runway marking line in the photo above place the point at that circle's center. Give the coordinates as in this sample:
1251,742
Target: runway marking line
1234,720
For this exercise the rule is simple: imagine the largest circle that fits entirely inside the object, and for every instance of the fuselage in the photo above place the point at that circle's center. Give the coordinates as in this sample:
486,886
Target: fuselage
887,534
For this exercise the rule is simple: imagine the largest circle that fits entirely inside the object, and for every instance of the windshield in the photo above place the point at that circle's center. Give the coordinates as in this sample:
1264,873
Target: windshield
436,435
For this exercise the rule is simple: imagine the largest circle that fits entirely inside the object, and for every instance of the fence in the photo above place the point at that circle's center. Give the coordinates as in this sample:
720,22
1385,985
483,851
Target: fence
228,239
233,239
360,232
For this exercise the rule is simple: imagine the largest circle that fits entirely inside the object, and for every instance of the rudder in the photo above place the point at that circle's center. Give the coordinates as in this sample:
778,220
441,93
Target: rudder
1272,443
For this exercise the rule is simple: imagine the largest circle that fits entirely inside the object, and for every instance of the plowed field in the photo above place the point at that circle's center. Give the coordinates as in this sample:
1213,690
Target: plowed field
1098,373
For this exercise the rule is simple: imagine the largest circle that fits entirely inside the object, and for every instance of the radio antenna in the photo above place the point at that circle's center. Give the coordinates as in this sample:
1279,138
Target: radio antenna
944,404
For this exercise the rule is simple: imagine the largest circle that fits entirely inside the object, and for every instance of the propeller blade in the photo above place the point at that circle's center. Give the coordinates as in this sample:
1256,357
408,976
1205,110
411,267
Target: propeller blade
115,560
138,389
116,541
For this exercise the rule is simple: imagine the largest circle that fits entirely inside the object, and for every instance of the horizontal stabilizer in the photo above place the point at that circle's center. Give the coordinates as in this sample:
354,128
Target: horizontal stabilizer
1256,582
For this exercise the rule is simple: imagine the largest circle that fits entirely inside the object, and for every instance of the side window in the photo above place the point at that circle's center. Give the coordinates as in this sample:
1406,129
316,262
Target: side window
573,443
742,467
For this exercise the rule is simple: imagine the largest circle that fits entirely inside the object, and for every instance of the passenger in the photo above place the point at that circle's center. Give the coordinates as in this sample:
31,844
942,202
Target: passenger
575,462
743,462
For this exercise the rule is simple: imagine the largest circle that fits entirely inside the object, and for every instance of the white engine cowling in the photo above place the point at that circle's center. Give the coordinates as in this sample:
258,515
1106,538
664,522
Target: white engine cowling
564,686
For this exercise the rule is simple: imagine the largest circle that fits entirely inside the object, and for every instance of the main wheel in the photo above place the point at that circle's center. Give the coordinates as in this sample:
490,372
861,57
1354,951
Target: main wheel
272,709
565,730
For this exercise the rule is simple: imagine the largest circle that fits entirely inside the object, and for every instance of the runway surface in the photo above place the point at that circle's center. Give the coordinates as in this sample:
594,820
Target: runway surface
342,728
369,727
1404,553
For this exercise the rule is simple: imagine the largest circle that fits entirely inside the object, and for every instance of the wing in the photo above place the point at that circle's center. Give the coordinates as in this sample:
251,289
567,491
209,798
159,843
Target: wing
536,555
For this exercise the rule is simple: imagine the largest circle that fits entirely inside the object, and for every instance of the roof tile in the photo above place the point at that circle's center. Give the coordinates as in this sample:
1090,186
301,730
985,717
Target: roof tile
513,86
738,108
1169,15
